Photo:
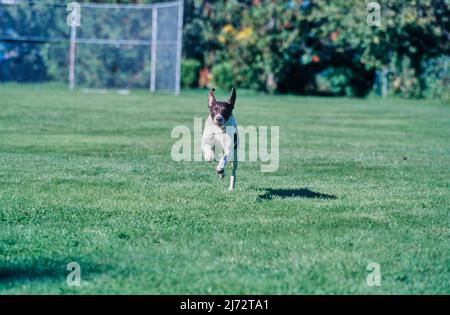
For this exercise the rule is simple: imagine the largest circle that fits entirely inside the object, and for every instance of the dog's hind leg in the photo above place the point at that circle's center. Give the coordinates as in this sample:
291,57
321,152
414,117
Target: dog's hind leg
234,165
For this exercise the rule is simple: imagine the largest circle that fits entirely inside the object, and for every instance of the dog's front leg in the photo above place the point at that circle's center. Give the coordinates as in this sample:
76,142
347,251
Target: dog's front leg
226,140
208,152
207,144
220,169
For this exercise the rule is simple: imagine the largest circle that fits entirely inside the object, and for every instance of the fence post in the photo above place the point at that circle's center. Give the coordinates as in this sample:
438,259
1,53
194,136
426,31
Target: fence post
384,82
179,46
153,49
72,55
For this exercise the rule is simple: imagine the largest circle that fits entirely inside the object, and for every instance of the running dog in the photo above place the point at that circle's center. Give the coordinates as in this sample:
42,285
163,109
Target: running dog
221,131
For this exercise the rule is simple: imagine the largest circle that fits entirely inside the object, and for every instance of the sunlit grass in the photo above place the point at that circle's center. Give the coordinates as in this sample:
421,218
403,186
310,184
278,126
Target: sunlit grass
89,178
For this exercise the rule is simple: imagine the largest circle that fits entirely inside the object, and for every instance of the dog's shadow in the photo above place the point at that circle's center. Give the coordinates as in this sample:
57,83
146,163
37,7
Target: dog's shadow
293,193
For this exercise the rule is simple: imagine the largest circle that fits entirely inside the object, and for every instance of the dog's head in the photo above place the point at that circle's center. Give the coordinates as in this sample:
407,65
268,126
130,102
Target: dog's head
221,111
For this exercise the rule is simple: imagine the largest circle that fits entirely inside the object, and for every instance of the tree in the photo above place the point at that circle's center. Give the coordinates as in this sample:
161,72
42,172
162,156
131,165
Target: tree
286,45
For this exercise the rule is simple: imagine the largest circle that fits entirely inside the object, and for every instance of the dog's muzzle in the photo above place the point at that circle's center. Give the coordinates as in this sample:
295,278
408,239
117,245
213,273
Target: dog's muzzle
219,120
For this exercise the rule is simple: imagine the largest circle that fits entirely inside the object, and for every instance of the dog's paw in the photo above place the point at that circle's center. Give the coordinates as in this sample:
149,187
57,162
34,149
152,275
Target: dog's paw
220,172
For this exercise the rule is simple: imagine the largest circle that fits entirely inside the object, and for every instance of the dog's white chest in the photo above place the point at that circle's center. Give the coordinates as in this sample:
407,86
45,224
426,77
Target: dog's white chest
213,134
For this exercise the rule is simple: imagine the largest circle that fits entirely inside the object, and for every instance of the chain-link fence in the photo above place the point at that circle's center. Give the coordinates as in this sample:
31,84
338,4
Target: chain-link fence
92,45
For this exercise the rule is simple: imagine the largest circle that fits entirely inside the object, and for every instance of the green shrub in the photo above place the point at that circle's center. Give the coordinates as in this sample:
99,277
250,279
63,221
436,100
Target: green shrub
437,78
222,75
345,81
334,81
189,72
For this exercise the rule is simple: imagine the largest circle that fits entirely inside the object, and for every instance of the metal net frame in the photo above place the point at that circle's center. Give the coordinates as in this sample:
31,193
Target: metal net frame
92,45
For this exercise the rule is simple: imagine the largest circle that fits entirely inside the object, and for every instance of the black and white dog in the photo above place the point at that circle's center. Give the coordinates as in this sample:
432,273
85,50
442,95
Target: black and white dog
221,131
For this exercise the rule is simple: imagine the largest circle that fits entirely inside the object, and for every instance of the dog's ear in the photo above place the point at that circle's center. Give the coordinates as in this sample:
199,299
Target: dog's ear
211,98
232,98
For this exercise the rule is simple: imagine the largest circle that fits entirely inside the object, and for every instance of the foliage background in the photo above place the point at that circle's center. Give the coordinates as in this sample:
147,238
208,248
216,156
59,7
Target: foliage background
292,46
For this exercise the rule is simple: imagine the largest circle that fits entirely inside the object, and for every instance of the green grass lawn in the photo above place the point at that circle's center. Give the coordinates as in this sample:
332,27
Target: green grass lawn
89,178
